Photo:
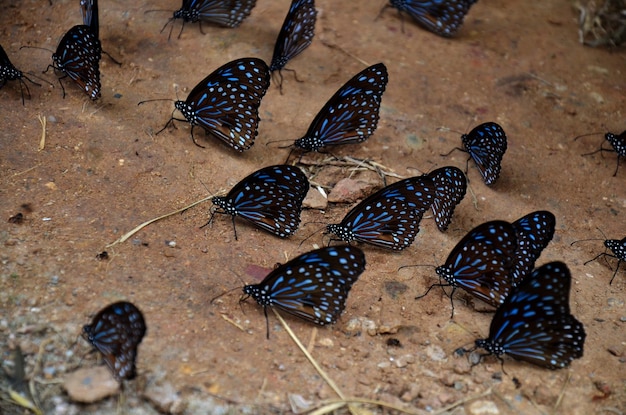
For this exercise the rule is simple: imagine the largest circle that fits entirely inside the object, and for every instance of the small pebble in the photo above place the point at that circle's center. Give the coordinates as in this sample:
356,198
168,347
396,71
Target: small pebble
483,408
90,385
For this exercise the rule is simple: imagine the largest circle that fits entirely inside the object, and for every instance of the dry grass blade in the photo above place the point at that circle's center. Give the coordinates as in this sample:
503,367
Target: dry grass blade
127,235
331,406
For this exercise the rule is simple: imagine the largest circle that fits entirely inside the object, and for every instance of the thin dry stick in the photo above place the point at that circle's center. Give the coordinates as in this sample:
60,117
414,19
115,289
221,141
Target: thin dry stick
558,401
343,401
308,356
42,141
332,405
462,401
233,322
127,235
333,46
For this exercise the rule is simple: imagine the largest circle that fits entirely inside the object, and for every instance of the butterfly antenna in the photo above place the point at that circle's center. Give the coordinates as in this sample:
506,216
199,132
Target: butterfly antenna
419,265
452,151
585,135
35,47
305,239
584,240
153,100
223,294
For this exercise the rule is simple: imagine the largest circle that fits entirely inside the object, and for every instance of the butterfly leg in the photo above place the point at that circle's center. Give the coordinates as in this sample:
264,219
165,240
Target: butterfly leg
619,262
194,138
267,323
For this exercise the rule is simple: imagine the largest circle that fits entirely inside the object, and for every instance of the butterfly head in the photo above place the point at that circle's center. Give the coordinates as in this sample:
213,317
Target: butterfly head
445,272
307,143
342,232
187,111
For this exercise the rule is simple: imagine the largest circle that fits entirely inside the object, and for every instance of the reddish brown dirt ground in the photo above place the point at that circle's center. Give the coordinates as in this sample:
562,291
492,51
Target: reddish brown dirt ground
103,171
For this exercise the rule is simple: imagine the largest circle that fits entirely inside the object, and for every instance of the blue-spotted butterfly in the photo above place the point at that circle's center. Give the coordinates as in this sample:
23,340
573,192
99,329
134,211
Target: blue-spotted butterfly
78,57
534,231
270,198
618,251
225,13
351,115
442,17
295,35
313,286
390,217
534,323
481,262
486,145
8,72
450,187
116,332
617,141
226,103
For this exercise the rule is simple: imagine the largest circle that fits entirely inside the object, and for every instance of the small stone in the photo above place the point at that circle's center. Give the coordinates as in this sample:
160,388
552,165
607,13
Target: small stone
164,397
90,385
544,396
483,408
435,353
616,350
315,200
326,342
404,360
412,393
462,367
349,191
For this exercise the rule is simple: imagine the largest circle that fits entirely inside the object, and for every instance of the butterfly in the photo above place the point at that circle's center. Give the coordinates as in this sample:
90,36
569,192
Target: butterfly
225,13
8,72
270,198
78,57
486,144
534,231
89,11
617,141
295,35
226,103
534,324
481,263
618,251
442,17
390,217
116,332
313,286
351,115
450,187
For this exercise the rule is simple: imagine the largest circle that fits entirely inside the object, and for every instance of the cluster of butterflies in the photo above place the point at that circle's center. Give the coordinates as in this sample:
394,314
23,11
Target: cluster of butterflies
494,262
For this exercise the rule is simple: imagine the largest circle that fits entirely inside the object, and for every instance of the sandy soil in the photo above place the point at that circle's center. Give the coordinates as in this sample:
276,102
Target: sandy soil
103,171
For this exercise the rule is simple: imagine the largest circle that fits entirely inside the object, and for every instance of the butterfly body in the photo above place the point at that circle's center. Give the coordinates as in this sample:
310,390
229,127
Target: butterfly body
115,332
270,198
534,323
226,102
313,286
486,145
351,115
442,17
78,57
450,187
296,33
388,218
